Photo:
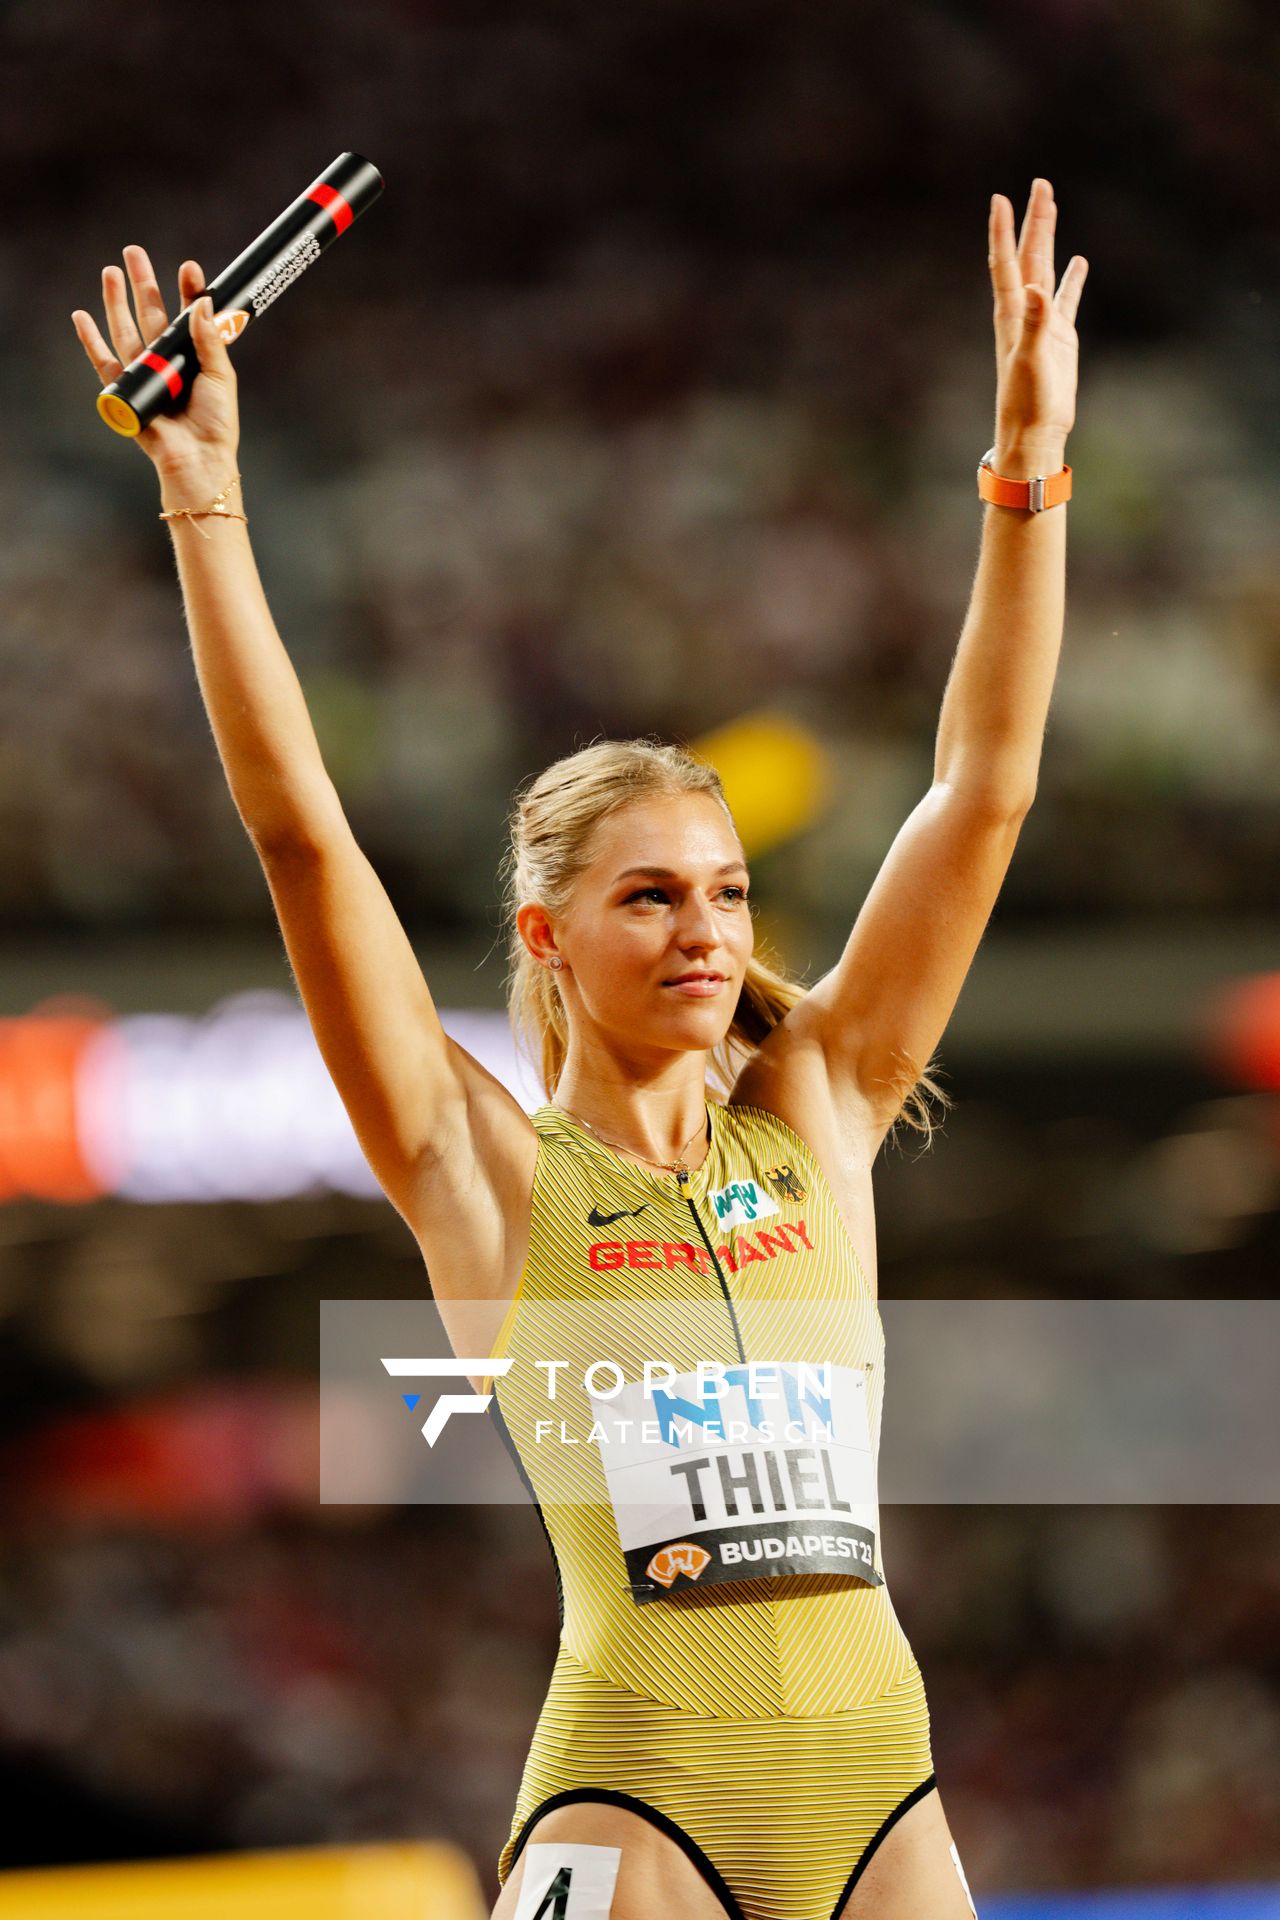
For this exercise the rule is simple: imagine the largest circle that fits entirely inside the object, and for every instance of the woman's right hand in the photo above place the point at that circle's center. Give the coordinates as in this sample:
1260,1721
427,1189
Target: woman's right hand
197,445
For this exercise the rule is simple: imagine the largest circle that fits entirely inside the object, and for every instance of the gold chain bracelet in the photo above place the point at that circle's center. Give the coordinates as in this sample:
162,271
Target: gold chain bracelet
217,509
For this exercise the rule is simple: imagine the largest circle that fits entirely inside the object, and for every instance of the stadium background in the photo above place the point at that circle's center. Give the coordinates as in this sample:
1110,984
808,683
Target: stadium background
647,397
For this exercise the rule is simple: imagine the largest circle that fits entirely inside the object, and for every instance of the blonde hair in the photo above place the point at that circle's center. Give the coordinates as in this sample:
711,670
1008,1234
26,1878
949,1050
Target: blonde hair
551,826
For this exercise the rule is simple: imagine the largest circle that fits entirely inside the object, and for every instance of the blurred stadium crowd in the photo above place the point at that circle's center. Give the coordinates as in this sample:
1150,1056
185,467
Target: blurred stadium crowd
649,393
651,390
291,1682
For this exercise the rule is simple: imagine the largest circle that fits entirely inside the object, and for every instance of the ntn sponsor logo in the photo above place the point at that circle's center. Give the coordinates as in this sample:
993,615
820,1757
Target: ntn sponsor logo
740,1201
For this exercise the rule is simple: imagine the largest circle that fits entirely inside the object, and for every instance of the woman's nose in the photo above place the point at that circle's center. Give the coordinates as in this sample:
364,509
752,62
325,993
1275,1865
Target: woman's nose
697,923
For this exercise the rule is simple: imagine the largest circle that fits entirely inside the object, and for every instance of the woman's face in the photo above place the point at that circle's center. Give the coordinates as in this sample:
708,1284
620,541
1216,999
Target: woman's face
664,897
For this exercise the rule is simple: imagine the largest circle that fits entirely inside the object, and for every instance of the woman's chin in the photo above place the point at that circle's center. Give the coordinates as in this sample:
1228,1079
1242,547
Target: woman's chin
683,1020
705,1021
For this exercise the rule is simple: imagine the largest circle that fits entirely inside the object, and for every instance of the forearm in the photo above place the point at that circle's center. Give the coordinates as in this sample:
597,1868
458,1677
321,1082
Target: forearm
251,692
996,704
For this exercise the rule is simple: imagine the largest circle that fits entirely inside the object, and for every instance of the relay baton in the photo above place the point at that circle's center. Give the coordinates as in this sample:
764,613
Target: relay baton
161,378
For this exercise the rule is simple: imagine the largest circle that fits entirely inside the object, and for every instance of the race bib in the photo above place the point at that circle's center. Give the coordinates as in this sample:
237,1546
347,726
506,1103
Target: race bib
740,1472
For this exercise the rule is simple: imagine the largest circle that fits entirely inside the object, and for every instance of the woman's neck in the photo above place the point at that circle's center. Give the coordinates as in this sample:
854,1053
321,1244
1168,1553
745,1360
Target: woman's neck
658,1124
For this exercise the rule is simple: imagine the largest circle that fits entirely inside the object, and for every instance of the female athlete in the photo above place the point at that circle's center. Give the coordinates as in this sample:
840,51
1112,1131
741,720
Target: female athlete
735,1723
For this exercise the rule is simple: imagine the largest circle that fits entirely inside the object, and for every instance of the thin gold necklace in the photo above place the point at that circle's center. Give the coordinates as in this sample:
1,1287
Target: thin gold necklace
679,1166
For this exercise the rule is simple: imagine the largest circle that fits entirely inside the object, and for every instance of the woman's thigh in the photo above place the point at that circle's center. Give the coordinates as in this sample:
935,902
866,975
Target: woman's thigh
913,1873
654,1877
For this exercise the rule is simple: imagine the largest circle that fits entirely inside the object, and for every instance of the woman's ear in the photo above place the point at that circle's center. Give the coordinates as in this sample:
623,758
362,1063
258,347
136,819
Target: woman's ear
537,933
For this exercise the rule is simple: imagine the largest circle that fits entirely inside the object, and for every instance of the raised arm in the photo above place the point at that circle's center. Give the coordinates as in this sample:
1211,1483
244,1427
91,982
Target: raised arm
872,1023
413,1095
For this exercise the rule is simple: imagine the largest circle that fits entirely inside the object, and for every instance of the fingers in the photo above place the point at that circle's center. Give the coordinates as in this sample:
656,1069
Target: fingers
122,327
1067,298
211,348
1035,246
205,338
152,313
130,336
1006,280
148,300
190,281
1014,274
101,358
1036,311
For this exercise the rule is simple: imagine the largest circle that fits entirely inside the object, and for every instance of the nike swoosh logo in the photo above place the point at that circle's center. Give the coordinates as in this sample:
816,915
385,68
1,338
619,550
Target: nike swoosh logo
597,1219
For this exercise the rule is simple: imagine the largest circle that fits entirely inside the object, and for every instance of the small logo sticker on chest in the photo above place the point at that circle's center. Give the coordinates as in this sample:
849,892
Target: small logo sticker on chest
740,1202
784,1182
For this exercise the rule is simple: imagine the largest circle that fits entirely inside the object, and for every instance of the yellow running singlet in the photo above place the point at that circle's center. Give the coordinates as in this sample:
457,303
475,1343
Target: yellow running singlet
773,1724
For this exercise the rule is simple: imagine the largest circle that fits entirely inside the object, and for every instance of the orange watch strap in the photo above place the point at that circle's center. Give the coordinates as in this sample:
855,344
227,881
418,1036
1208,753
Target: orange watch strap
1050,491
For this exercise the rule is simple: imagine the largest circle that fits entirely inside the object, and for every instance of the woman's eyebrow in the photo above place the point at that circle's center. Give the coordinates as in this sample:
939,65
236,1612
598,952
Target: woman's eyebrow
667,873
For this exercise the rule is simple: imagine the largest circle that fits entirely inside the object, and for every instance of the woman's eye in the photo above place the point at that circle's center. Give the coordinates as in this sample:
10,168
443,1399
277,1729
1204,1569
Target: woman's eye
736,896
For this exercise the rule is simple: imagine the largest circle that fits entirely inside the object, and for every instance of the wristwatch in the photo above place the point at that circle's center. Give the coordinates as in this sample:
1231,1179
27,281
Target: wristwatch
1034,495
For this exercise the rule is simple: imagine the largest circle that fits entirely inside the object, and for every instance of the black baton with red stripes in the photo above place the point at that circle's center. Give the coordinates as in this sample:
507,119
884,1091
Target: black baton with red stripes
161,378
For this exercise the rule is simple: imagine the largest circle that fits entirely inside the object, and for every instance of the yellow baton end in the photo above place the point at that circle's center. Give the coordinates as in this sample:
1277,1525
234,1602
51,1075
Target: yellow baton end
118,414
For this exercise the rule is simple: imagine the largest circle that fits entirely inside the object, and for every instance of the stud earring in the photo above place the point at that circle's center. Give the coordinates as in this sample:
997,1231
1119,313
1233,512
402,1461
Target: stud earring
556,961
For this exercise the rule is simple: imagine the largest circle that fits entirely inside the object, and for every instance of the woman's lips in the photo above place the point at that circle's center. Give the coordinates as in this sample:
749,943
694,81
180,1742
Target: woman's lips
696,989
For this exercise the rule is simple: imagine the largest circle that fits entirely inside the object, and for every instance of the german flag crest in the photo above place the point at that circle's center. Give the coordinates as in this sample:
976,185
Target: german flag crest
784,1182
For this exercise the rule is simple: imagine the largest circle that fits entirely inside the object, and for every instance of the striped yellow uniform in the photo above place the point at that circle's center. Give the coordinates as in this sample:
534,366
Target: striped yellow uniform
774,1725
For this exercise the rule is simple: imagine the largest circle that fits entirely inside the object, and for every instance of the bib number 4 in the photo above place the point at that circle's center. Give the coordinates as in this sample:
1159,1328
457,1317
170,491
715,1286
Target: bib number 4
565,1882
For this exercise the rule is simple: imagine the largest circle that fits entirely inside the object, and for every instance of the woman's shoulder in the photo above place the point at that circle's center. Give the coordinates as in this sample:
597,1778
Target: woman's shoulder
555,1127
790,1084
762,1127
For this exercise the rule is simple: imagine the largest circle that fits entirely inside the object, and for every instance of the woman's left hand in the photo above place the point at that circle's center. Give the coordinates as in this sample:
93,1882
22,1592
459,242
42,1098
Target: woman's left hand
1036,345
